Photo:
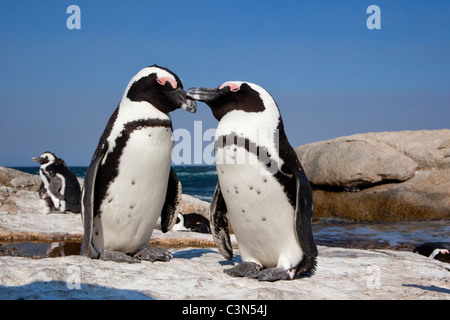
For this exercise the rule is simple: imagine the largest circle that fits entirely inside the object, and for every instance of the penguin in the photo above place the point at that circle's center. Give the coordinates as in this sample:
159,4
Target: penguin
192,222
60,189
434,250
130,183
46,199
262,188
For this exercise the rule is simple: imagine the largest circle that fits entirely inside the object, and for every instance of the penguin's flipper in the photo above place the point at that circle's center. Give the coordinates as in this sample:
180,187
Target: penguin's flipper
219,224
55,187
170,210
87,199
304,213
42,191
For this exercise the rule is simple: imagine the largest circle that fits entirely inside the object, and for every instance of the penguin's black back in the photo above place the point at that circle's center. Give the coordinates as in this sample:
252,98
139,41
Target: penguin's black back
427,249
72,193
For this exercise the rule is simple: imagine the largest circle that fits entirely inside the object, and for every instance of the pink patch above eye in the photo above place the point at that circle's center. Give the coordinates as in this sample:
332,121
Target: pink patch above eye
162,81
233,87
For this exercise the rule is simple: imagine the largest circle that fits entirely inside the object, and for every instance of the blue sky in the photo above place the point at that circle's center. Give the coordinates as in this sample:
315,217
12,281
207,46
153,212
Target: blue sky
330,75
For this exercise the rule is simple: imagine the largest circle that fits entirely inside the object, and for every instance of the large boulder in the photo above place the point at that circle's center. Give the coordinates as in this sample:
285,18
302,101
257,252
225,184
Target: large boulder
381,176
18,191
19,180
353,163
190,204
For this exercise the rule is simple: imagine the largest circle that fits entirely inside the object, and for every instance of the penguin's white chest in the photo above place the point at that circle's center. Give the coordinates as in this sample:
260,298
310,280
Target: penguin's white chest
135,198
258,209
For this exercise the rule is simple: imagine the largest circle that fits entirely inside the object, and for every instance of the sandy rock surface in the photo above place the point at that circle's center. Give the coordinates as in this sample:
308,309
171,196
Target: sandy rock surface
197,273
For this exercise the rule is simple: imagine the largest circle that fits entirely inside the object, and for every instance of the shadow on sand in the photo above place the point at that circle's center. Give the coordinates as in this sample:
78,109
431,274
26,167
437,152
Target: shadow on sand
59,290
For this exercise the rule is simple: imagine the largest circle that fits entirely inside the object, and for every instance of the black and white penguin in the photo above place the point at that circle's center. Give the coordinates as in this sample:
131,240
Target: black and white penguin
130,183
434,250
262,188
60,189
192,222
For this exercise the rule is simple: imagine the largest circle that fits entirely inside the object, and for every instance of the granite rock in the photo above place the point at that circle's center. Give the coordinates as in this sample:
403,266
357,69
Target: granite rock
197,273
362,160
381,176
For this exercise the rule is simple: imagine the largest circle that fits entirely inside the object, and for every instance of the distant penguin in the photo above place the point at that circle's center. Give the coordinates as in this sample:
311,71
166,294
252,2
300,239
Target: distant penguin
262,187
434,250
46,199
130,183
60,189
192,222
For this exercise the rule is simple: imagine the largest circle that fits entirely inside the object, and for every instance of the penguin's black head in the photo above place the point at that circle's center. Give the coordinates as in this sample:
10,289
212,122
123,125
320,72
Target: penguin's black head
232,95
161,88
46,157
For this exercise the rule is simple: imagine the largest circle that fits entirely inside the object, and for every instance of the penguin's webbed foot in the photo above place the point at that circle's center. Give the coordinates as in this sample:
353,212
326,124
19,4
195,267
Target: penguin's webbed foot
153,254
117,256
242,269
270,274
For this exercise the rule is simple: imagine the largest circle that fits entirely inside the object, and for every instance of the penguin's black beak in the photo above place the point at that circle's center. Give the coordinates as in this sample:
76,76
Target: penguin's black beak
204,94
178,97
190,106
38,159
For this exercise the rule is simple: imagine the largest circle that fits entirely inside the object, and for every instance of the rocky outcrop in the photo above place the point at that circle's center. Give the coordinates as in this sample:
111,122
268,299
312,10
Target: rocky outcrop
18,191
381,176
190,204
352,163
18,180
22,216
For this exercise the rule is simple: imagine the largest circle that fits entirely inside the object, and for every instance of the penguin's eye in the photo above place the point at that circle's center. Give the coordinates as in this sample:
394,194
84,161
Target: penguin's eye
163,81
233,87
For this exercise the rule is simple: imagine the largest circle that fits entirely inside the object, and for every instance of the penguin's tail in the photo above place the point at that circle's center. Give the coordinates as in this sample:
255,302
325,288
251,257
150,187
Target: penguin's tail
306,267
